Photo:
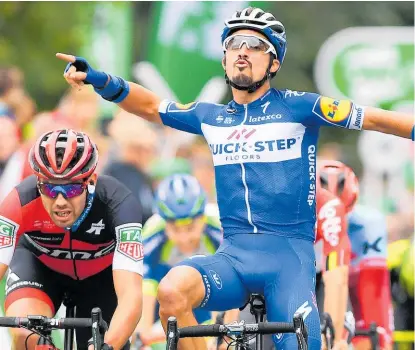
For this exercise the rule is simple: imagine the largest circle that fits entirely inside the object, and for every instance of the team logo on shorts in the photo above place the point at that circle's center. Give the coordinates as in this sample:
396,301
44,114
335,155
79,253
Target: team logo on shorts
335,111
216,278
129,241
8,231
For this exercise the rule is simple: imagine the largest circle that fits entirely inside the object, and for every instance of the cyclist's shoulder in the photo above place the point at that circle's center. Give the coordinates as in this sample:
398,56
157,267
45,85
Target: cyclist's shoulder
296,98
110,190
153,227
198,107
298,104
154,238
27,190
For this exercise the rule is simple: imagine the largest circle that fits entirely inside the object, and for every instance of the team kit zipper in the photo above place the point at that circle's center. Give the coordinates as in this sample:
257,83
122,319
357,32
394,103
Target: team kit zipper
248,206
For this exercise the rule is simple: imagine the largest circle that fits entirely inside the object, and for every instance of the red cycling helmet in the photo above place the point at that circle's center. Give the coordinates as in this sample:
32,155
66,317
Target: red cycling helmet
340,180
63,155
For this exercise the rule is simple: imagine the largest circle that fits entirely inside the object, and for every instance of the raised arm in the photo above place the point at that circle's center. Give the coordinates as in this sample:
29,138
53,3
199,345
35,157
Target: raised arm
130,96
389,122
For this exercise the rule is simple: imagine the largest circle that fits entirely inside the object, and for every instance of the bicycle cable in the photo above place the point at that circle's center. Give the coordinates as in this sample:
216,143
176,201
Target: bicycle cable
49,339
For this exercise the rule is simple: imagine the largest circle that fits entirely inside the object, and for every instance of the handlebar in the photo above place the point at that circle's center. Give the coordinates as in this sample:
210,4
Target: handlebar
44,324
35,321
215,330
237,329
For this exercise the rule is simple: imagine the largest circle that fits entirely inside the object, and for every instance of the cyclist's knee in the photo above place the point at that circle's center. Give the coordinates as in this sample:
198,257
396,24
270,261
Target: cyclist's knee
172,300
179,291
21,308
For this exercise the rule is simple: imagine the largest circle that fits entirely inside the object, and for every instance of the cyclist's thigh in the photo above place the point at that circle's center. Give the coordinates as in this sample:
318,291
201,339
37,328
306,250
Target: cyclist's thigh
31,289
95,291
223,287
294,291
30,282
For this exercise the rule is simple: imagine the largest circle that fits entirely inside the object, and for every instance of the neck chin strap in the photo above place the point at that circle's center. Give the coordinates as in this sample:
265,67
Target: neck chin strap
254,86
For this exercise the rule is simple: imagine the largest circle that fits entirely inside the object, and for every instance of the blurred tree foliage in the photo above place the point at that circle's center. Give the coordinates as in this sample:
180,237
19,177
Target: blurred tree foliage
30,35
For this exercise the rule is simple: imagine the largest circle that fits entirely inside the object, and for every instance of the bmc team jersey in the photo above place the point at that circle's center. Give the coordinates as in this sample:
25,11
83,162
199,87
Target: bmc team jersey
109,235
332,246
264,154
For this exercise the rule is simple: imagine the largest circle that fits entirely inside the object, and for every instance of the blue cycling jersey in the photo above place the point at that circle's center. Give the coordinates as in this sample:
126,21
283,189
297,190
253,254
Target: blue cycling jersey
368,234
264,154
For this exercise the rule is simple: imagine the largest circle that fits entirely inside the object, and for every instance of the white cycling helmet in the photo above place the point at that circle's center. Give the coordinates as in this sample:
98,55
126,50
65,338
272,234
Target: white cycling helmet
265,23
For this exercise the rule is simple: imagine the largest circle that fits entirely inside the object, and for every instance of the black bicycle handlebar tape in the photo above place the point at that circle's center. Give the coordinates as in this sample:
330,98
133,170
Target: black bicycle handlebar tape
211,330
13,322
215,330
65,323
271,328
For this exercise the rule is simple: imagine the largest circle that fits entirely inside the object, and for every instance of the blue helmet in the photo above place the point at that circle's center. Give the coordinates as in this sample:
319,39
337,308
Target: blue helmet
262,22
180,196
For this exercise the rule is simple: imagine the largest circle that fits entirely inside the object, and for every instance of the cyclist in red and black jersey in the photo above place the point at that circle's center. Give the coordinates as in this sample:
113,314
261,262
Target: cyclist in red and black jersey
65,231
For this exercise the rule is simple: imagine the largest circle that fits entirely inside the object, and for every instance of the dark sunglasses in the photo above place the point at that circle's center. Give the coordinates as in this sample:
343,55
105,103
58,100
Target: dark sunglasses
68,191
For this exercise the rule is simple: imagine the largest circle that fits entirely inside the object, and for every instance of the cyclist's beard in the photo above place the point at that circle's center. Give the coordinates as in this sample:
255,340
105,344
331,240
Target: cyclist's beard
242,80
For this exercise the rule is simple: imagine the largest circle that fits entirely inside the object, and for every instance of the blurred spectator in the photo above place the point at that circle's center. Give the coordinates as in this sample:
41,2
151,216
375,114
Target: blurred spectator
41,123
11,160
79,109
162,168
14,101
202,166
136,144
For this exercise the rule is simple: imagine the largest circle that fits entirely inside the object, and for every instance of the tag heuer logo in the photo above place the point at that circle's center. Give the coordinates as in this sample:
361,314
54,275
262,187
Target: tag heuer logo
8,231
129,241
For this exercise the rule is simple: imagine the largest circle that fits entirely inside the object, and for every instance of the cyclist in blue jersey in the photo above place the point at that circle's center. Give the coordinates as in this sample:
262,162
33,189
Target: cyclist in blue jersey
182,227
264,147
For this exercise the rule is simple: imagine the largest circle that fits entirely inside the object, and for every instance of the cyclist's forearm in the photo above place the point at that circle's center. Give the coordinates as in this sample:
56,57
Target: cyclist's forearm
335,296
389,122
142,102
125,319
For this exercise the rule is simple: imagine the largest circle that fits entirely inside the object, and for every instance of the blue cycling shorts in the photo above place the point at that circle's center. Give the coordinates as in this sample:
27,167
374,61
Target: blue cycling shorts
280,268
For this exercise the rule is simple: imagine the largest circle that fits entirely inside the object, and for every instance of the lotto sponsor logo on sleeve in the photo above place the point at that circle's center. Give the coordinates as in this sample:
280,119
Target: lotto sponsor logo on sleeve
334,111
8,230
129,241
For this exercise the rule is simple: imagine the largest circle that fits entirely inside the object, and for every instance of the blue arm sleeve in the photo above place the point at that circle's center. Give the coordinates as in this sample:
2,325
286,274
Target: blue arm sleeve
316,110
183,117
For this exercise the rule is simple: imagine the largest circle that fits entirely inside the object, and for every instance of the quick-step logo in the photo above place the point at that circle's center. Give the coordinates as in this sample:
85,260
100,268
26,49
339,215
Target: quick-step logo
259,143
